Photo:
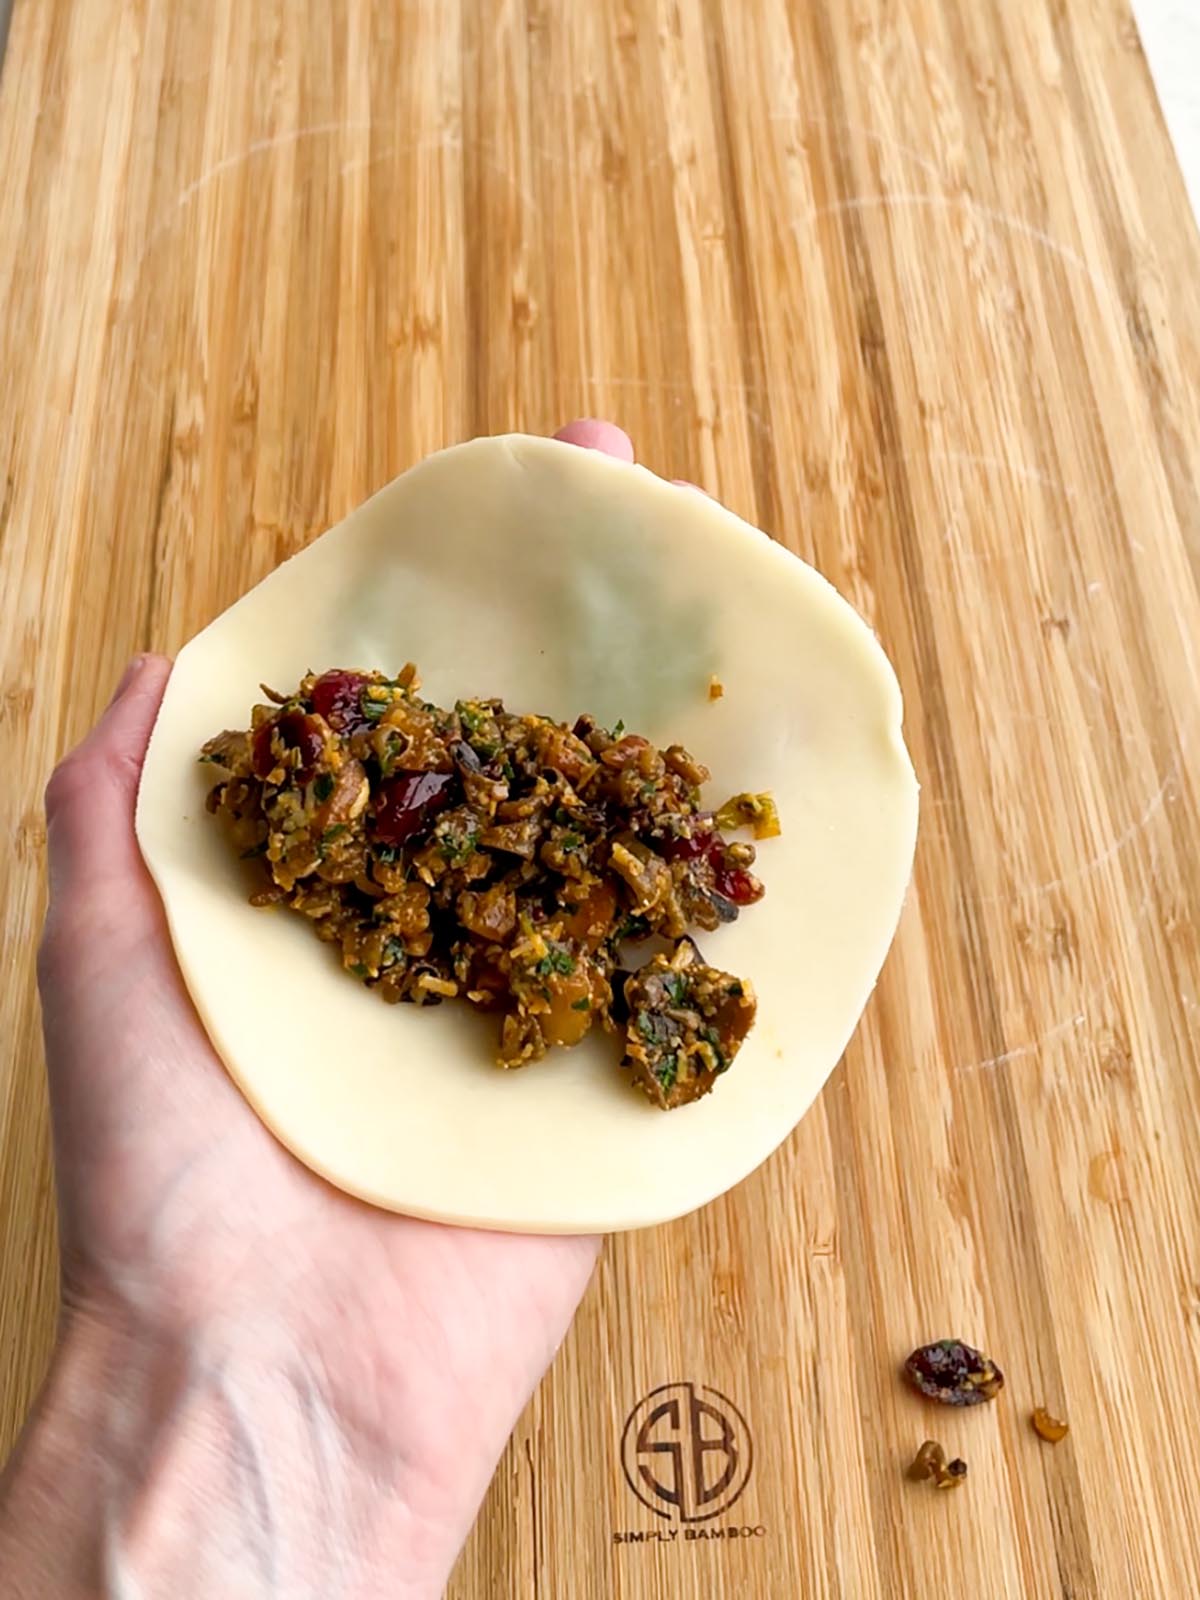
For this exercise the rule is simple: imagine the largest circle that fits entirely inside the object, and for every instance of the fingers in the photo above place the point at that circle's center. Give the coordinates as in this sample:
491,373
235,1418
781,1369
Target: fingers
592,434
90,797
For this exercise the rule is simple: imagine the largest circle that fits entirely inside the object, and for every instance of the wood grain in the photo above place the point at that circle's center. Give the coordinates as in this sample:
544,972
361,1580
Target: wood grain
913,284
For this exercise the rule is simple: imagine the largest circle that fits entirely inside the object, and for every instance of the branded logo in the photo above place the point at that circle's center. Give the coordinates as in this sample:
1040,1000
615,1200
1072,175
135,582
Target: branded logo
686,1452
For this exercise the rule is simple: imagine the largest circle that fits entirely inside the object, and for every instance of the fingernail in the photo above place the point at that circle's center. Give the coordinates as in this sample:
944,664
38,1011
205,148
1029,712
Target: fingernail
127,678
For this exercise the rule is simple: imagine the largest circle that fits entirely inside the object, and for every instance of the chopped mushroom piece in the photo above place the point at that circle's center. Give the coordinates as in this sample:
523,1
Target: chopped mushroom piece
501,859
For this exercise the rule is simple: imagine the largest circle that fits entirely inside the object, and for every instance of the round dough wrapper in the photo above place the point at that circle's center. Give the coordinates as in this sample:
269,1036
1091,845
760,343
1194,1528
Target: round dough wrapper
563,581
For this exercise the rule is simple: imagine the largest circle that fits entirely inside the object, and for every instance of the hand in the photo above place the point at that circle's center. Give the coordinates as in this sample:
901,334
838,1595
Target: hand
263,1387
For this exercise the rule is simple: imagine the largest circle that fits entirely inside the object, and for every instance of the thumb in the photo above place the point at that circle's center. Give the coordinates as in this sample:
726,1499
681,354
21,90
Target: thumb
90,797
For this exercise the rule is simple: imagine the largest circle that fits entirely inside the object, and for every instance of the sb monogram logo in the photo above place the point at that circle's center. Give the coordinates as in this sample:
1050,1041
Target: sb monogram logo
686,1452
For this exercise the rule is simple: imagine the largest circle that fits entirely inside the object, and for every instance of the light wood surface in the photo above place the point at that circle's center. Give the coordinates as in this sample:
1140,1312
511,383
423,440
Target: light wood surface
912,283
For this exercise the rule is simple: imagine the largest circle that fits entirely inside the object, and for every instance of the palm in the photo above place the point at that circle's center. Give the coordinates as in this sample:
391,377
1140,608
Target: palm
184,1220
179,1207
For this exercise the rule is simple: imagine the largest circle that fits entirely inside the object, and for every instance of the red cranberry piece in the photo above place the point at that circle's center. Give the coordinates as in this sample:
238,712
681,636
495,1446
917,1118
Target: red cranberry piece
681,849
407,802
297,731
737,885
261,757
954,1372
730,880
337,696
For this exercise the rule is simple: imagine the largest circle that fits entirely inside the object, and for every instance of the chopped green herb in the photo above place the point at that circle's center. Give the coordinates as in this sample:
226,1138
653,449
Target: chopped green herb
393,952
581,1005
653,1028
374,709
666,1071
471,719
676,989
210,761
387,853
736,989
332,833
618,730
323,787
255,850
358,970
571,841
455,849
556,959
713,1040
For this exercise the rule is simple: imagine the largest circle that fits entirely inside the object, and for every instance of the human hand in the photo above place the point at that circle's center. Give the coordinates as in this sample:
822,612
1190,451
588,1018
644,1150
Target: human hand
263,1386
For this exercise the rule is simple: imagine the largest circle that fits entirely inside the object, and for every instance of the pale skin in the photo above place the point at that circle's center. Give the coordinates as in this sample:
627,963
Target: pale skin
261,1388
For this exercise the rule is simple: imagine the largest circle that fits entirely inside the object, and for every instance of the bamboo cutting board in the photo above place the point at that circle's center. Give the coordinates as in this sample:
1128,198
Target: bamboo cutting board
913,284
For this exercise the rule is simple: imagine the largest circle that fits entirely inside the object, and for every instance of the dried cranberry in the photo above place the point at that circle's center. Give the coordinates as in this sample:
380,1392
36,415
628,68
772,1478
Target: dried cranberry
297,731
337,696
681,849
731,882
736,884
407,802
954,1373
261,757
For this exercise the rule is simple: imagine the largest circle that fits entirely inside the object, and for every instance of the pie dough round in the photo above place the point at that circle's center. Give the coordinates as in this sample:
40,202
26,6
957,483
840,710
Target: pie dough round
563,581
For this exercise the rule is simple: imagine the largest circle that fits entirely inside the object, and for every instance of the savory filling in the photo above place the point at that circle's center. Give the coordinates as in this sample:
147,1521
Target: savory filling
500,859
686,1022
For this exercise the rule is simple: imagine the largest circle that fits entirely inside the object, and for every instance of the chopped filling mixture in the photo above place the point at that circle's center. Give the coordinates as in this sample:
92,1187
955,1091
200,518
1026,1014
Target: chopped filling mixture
686,1022
930,1462
504,860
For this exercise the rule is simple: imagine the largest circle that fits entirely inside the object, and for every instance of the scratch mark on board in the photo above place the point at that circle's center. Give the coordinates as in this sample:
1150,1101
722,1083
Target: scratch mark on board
1003,219
1115,846
274,141
1067,1025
